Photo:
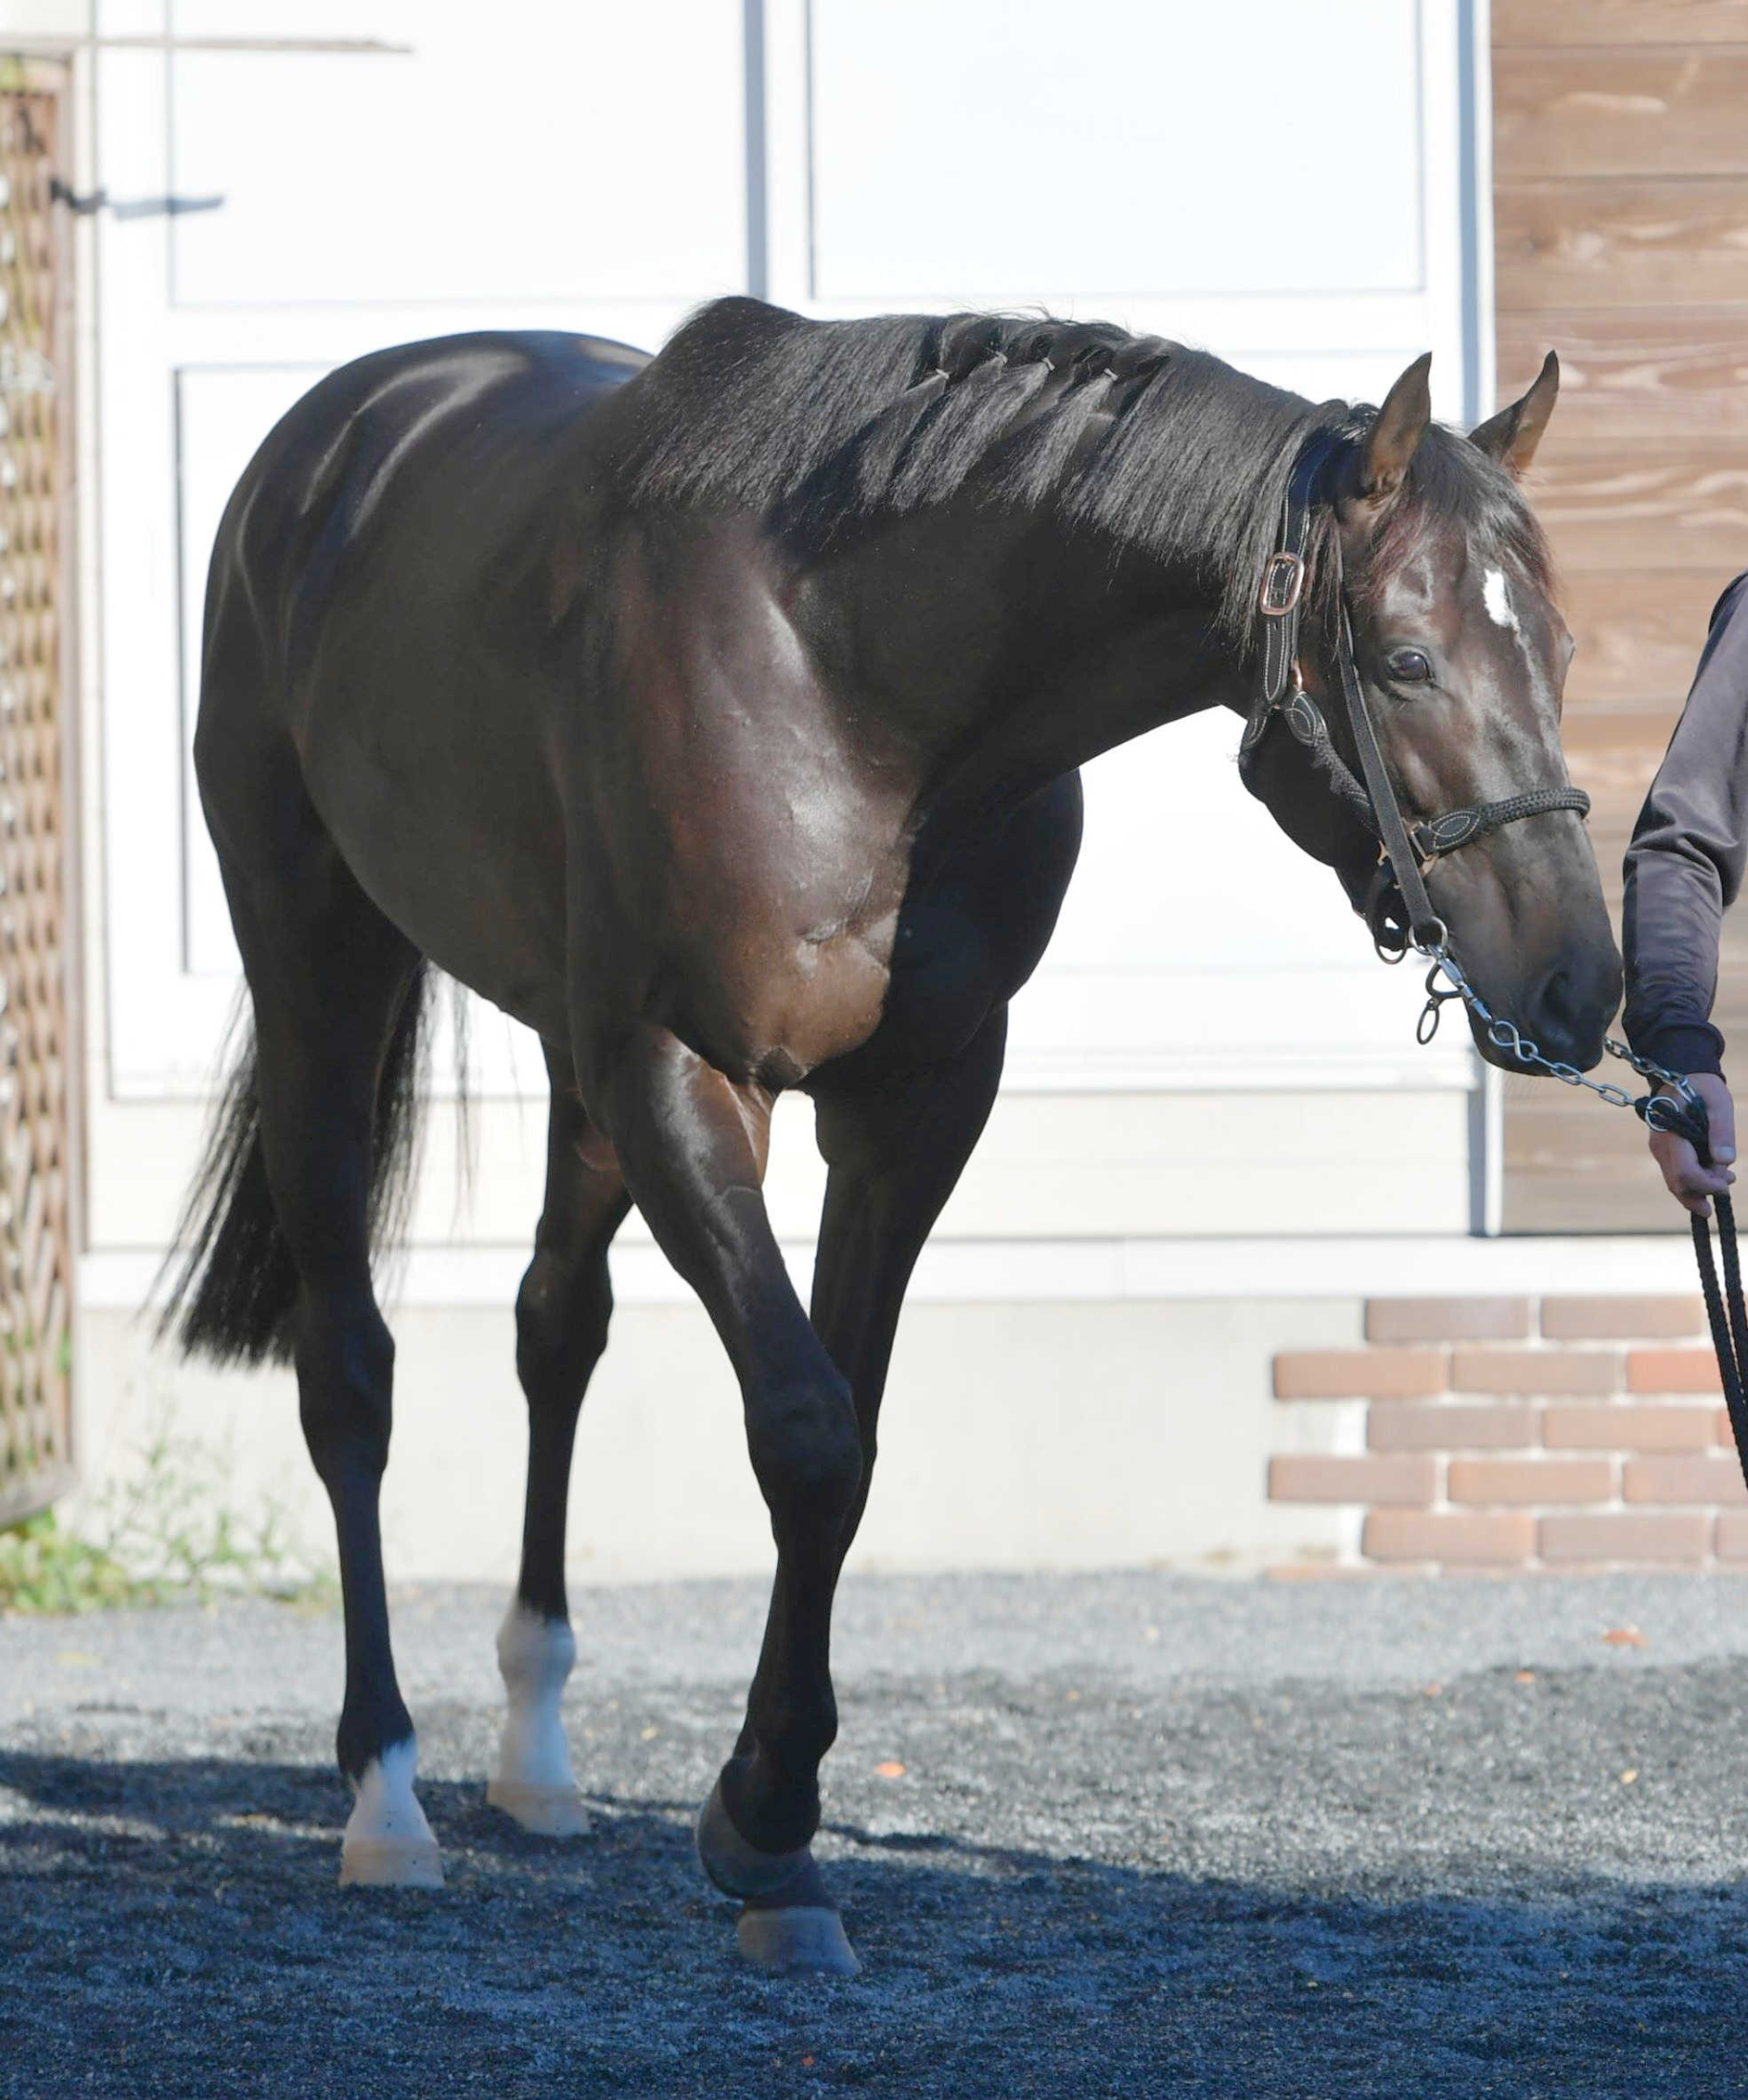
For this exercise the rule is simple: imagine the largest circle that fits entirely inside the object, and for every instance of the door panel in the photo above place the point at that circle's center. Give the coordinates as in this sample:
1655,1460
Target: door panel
1050,164
473,172
579,167
1094,173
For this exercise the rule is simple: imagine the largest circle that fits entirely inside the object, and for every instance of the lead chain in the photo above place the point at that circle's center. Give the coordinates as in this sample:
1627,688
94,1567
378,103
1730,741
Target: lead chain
1659,1113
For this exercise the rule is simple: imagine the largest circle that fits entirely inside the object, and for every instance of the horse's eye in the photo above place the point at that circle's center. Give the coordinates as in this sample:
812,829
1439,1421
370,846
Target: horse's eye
1408,667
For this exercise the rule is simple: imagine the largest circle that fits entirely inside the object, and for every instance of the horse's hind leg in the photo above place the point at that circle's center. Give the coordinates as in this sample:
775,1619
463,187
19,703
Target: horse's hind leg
561,1314
691,1145
330,979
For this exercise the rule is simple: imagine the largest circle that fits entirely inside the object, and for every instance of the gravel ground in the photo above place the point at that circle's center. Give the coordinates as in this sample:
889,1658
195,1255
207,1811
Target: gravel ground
1153,1834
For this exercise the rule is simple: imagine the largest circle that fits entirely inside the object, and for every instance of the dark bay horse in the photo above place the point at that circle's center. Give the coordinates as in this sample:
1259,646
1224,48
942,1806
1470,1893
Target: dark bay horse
717,716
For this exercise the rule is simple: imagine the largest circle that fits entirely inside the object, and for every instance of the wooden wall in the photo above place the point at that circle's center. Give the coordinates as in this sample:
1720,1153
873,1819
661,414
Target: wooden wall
1620,195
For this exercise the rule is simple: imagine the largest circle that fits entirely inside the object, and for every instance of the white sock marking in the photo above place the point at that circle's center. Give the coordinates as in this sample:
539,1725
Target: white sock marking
535,1655
386,1806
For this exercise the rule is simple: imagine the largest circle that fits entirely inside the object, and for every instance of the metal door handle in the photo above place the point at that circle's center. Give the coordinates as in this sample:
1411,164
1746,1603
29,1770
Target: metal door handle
128,207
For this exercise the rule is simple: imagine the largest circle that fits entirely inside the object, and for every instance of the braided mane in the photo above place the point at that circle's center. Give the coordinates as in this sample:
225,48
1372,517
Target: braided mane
826,426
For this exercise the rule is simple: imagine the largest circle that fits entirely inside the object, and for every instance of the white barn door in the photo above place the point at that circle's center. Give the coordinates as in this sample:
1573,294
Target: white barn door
604,167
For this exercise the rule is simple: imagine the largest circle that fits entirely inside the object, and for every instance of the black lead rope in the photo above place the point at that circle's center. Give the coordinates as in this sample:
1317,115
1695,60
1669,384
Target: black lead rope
1725,1313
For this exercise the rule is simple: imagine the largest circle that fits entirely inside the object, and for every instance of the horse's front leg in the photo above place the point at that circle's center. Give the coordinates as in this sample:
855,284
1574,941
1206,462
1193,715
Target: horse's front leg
896,1147
691,1145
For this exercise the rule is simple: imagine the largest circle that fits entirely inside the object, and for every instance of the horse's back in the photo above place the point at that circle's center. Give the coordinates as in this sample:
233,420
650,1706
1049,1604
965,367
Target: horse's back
373,443
546,371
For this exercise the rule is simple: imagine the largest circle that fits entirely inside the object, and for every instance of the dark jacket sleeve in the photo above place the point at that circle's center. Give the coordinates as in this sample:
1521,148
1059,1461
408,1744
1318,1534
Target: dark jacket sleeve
1684,866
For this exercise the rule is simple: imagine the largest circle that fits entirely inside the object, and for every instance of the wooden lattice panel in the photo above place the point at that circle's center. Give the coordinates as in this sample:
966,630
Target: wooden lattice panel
35,1253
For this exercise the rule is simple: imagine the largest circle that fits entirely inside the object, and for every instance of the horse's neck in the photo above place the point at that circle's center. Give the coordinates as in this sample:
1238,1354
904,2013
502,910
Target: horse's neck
1007,652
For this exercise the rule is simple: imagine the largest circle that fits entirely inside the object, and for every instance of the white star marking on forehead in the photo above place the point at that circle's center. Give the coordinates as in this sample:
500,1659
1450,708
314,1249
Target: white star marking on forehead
1498,599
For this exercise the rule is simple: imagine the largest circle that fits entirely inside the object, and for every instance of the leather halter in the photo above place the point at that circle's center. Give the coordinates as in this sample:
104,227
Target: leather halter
1397,909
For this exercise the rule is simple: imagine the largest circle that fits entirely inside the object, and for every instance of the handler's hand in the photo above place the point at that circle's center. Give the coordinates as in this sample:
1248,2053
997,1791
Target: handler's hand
1690,1183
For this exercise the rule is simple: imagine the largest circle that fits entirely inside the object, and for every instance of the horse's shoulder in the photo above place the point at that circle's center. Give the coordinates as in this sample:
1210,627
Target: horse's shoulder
1020,860
978,916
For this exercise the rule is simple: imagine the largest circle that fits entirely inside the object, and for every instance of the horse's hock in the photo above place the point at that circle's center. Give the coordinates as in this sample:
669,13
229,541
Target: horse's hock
1560,1433
35,1066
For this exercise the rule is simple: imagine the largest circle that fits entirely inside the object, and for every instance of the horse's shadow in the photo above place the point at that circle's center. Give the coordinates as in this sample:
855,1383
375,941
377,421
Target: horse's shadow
1056,1973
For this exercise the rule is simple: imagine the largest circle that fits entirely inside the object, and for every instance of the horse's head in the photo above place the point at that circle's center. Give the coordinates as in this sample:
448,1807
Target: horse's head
1461,656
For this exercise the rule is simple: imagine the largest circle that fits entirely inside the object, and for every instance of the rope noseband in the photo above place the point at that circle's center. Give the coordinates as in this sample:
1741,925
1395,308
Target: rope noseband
1397,909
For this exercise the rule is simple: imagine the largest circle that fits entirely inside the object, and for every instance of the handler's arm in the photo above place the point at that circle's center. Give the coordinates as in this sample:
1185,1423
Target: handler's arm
1684,868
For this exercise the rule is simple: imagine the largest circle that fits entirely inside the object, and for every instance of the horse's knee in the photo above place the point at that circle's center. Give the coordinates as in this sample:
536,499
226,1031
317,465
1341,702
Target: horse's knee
561,1319
807,1450
344,1356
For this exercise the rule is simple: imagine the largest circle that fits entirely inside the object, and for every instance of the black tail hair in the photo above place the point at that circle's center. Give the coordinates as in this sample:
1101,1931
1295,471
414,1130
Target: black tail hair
235,1290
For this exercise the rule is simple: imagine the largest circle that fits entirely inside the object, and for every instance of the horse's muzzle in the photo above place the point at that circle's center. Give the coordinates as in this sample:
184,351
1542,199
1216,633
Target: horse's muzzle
1566,1015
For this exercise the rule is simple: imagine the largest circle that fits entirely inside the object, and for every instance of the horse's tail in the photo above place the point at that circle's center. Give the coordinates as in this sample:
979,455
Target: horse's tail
235,1285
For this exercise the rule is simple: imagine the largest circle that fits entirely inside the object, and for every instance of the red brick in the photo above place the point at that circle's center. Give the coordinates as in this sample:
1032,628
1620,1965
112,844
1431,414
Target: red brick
1723,1432
1452,1538
1733,1535
1683,1479
1403,1478
1628,1428
1360,1374
1400,1428
1536,1370
1672,1371
1626,1535
1449,1320
1621,1320
1523,1480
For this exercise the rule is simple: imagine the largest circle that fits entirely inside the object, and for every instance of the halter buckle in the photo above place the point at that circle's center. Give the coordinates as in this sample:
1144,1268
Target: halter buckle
1283,584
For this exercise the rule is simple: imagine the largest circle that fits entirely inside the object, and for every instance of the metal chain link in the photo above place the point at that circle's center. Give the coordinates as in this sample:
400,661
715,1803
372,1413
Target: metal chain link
1657,1111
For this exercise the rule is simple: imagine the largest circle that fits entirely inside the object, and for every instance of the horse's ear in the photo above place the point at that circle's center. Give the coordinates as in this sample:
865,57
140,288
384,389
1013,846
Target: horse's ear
1395,436
1512,435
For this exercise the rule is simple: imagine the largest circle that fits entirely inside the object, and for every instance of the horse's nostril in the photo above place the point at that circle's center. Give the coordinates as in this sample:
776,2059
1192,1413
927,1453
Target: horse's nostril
1559,1000
1572,1010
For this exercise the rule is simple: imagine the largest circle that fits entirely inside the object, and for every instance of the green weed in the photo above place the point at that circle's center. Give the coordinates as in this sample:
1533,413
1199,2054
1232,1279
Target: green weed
165,1530
44,1569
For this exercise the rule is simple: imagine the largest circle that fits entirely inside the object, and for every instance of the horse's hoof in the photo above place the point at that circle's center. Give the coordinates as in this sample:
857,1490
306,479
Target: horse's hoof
387,1842
787,1920
806,1937
548,1811
736,1867
390,1863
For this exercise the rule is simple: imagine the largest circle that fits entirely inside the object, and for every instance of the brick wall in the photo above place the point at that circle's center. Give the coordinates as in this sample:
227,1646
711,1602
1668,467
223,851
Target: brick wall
1520,1433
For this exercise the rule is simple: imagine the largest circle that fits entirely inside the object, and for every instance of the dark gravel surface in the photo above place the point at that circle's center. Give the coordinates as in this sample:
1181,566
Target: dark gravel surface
1153,1835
